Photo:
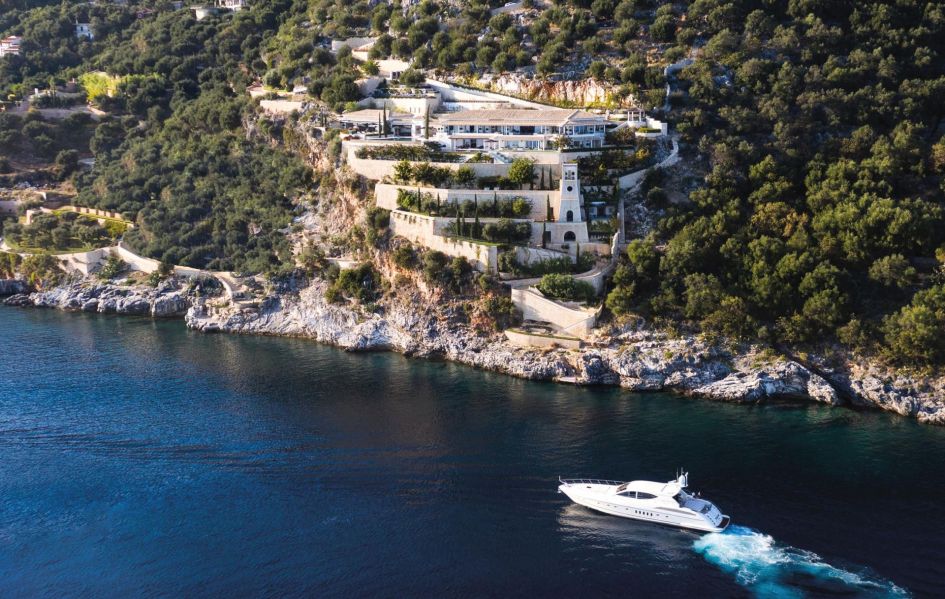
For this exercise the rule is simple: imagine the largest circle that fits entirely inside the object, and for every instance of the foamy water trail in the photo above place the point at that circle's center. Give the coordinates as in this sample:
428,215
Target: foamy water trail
770,569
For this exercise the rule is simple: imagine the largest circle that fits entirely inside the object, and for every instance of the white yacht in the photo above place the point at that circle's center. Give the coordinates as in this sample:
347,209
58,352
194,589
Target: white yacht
664,503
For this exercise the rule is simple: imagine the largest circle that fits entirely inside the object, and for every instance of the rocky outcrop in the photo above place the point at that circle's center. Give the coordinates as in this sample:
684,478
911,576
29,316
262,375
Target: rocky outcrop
12,287
580,92
166,300
638,360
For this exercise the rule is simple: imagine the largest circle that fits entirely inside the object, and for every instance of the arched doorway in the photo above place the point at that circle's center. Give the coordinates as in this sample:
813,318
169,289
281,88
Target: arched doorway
569,216
569,236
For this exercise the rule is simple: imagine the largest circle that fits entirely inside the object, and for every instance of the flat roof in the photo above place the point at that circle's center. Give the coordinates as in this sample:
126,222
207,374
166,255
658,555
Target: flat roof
372,116
521,116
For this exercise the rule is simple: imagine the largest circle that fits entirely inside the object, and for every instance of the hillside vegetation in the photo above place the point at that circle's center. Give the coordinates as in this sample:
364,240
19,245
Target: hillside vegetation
814,128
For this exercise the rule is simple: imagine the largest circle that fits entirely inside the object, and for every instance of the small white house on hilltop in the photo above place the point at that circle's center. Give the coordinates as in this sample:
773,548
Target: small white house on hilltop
355,43
202,12
234,5
392,68
84,30
10,46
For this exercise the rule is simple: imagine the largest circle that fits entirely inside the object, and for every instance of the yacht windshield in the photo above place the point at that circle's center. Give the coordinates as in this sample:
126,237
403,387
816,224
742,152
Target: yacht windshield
622,487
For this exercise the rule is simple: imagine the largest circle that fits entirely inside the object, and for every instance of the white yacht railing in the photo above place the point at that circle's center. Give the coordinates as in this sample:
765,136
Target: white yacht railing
589,481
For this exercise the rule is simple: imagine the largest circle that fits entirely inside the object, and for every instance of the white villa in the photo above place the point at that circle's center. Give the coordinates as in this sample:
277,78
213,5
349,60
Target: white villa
84,30
234,5
513,129
10,46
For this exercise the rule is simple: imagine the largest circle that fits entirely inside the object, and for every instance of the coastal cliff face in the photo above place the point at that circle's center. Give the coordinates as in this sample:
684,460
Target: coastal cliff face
637,360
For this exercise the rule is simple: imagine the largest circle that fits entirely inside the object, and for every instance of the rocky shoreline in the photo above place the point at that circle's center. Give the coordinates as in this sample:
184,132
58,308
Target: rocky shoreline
636,359
167,300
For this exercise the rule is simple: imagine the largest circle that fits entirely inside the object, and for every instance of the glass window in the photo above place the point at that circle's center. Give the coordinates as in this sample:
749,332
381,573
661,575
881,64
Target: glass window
645,496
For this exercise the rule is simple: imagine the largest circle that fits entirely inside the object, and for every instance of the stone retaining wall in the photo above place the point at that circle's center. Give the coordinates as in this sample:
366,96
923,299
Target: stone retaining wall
426,231
576,321
378,169
386,196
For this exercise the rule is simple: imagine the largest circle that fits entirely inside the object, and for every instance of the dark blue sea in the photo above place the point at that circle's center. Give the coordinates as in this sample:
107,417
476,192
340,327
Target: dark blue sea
140,459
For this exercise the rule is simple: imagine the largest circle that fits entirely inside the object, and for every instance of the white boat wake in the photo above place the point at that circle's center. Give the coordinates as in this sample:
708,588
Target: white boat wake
769,569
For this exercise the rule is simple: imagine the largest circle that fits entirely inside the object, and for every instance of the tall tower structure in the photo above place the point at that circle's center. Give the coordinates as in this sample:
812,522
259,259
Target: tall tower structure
569,208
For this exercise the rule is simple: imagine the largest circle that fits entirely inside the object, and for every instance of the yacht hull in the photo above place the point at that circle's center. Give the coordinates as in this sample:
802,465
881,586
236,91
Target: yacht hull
608,504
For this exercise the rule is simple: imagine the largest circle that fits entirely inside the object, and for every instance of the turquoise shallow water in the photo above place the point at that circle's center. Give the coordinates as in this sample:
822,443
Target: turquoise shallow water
137,458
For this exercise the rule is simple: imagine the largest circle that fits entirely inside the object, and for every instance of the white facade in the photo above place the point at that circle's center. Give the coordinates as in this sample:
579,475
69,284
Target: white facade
10,46
202,12
515,129
354,43
84,30
234,5
391,68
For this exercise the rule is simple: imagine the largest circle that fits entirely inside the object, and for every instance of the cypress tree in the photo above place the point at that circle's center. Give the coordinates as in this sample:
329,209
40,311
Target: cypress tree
426,123
476,225
459,221
550,214
495,203
544,228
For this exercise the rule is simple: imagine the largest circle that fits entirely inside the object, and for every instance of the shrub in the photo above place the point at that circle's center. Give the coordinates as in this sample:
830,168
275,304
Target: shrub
433,264
41,270
439,270
501,311
559,265
164,270
914,333
566,287
378,218
362,284
410,153
404,256
9,264
113,267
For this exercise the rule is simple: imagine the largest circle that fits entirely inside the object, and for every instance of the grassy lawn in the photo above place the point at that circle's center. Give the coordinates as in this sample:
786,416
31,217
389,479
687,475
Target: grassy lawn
74,246
93,216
